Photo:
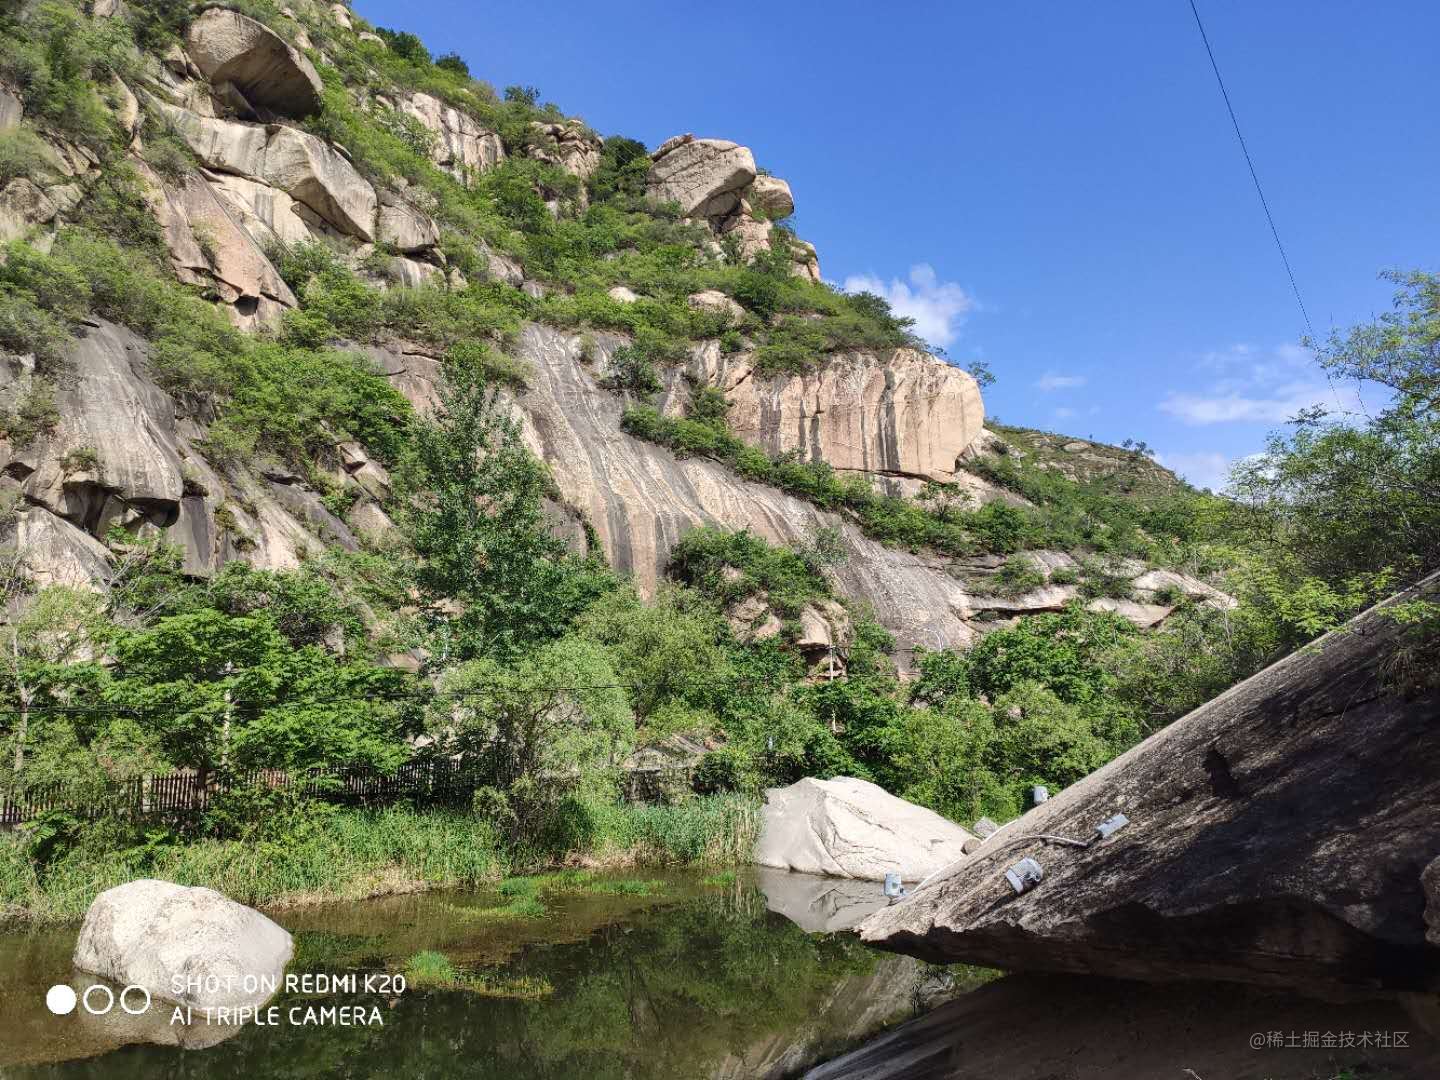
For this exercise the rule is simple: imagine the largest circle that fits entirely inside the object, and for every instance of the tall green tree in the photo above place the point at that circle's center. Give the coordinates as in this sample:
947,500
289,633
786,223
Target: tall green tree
495,578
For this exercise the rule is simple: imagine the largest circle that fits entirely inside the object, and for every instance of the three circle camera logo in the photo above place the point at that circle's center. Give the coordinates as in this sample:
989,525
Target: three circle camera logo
97,999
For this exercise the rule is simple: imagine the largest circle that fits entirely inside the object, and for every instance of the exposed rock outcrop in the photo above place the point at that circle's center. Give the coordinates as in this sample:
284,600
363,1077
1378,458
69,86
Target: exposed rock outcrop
57,552
1277,836
641,499
570,145
232,48
851,828
112,457
463,146
1151,595
705,176
771,196
120,452
305,168
149,933
716,301
904,413
229,261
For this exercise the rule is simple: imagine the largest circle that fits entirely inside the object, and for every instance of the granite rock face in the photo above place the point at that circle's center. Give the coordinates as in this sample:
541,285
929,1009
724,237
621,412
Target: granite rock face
1278,835
641,499
463,146
150,933
849,828
122,451
305,168
771,195
904,413
705,176
232,48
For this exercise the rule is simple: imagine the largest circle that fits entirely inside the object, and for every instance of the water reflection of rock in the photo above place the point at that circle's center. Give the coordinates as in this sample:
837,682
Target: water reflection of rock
856,1007
819,904
1040,1027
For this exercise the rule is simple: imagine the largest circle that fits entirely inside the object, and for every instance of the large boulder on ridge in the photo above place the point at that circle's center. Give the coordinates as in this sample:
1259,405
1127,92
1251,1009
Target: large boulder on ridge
771,196
851,828
152,933
229,47
705,176
1277,835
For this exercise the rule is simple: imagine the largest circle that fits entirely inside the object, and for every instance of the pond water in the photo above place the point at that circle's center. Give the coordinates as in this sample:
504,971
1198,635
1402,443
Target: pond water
641,976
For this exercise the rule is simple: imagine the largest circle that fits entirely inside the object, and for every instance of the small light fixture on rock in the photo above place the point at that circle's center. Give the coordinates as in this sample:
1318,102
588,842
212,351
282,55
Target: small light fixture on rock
1025,874
1109,826
1039,793
893,889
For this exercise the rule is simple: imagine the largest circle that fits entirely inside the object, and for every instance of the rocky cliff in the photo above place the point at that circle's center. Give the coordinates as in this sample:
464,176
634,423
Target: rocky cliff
238,99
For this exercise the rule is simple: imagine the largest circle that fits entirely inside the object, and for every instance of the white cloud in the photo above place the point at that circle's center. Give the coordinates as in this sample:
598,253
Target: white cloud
1232,407
938,307
1051,381
1253,385
1204,469
1063,413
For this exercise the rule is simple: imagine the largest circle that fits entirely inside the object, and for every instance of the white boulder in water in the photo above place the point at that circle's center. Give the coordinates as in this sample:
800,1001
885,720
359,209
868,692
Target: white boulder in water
852,828
186,945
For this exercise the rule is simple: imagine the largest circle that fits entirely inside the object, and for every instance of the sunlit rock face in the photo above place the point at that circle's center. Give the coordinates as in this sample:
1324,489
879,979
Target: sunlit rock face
228,47
903,413
850,828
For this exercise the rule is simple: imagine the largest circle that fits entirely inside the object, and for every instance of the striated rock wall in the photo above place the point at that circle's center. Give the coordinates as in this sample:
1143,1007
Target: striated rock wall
124,452
905,414
642,499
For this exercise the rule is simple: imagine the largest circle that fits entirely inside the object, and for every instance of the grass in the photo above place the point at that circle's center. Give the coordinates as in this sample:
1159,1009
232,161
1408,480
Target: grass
435,970
355,854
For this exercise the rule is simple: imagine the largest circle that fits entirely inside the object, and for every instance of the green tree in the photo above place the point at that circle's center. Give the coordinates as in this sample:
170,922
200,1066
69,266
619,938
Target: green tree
44,659
220,690
670,651
474,516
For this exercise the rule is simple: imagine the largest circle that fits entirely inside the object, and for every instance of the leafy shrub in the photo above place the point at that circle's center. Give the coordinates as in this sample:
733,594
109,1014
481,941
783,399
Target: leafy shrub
33,414
24,153
731,566
1017,575
452,61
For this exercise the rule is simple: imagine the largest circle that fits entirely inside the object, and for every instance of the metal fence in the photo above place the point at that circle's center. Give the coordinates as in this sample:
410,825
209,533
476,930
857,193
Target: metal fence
438,783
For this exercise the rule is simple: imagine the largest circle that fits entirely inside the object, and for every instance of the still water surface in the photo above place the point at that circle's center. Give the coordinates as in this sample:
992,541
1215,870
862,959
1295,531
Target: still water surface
679,977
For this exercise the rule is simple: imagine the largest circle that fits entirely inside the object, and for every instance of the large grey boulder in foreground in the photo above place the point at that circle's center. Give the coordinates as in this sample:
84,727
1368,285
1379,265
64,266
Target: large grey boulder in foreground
851,828
149,933
1277,836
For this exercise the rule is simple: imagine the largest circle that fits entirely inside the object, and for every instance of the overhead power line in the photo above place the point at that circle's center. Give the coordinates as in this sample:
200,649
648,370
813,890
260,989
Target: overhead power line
1264,205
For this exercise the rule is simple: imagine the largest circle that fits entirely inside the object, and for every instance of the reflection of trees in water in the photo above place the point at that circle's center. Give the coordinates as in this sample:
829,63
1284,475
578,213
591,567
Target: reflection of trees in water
672,994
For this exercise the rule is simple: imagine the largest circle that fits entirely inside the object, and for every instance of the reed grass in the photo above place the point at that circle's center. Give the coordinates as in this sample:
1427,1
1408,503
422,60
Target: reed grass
359,854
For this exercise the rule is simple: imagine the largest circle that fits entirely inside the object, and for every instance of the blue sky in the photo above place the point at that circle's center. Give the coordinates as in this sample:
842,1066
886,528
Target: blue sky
1051,187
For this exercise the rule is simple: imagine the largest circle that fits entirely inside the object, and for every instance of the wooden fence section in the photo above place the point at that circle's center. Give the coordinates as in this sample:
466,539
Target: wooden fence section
438,783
